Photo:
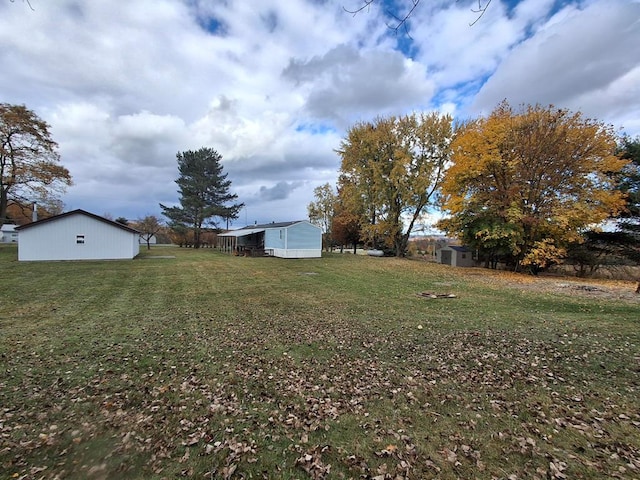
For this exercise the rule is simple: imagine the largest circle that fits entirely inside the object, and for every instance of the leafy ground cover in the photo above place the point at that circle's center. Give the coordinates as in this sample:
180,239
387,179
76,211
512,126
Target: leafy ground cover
212,366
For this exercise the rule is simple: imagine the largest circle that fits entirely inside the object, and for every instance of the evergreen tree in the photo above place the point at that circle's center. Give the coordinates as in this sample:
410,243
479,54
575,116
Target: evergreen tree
204,192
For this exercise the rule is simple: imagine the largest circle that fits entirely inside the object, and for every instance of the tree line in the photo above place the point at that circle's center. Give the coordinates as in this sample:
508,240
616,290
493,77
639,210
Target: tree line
526,187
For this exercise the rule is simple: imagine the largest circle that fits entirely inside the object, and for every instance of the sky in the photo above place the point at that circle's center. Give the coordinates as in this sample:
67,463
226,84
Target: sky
273,86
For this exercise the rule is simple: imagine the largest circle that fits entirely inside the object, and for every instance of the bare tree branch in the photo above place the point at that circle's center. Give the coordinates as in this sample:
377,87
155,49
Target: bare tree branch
366,4
28,2
480,11
402,20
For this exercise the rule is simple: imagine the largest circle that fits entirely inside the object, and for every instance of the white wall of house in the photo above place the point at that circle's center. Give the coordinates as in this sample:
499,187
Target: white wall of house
296,240
8,234
76,237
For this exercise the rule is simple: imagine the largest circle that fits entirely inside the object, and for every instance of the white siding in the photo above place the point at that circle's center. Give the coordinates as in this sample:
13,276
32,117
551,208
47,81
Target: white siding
58,240
296,253
299,240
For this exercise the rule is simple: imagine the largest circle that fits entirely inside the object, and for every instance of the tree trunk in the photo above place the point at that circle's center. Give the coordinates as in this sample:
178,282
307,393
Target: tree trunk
3,205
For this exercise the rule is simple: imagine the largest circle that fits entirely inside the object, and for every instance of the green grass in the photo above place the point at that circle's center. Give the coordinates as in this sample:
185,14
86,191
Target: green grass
208,365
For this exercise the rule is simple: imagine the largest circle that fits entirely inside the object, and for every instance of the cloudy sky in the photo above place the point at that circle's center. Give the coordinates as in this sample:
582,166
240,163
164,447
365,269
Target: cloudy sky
273,85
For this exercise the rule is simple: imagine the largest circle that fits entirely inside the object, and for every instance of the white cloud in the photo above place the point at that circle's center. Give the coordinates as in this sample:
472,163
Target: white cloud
582,60
273,85
347,84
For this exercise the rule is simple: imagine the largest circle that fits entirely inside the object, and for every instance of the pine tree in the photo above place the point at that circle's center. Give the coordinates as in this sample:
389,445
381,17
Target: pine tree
204,192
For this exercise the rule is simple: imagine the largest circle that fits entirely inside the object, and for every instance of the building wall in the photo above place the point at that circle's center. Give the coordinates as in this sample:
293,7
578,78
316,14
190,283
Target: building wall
296,253
77,237
8,234
305,236
300,240
455,258
275,238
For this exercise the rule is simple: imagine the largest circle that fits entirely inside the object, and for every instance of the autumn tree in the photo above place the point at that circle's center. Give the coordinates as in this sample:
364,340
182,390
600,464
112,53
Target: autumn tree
345,229
30,170
345,224
204,192
391,170
148,227
321,211
524,184
21,213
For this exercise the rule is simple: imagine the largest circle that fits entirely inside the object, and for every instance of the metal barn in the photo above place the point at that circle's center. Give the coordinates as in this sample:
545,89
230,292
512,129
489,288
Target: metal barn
77,235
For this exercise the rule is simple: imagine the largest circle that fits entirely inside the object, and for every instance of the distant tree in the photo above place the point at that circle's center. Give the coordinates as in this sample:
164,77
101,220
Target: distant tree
321,211
345,229
204,192
525,184
391,170
122,220
29,162
148,227
625,240
629,149
180,235
22,214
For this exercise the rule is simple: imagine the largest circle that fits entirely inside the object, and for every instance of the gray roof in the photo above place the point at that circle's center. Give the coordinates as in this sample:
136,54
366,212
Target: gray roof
264,226
78,212
249,229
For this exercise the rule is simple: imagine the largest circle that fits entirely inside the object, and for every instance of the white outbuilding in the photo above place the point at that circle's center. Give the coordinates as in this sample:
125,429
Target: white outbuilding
456,256
77,235
8,234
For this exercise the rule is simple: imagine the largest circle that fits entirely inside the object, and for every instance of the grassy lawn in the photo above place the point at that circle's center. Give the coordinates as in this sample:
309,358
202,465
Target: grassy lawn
212,366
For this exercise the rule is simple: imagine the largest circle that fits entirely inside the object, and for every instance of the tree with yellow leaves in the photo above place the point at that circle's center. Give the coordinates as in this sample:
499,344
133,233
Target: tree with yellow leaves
30,169
524,183
391,170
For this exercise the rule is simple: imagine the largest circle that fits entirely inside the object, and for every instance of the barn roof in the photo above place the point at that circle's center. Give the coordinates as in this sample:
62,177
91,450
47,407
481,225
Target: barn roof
78,212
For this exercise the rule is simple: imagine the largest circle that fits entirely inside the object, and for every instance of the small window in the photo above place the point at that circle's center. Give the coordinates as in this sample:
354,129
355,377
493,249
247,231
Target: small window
281,234
80,239
464,255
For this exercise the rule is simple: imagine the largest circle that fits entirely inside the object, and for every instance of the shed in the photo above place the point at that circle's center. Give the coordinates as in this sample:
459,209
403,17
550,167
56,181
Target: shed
77,235
298,239
8,233
455,255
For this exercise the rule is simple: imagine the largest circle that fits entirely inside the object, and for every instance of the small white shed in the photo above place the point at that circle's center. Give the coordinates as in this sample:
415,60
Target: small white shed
77,235
8,233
